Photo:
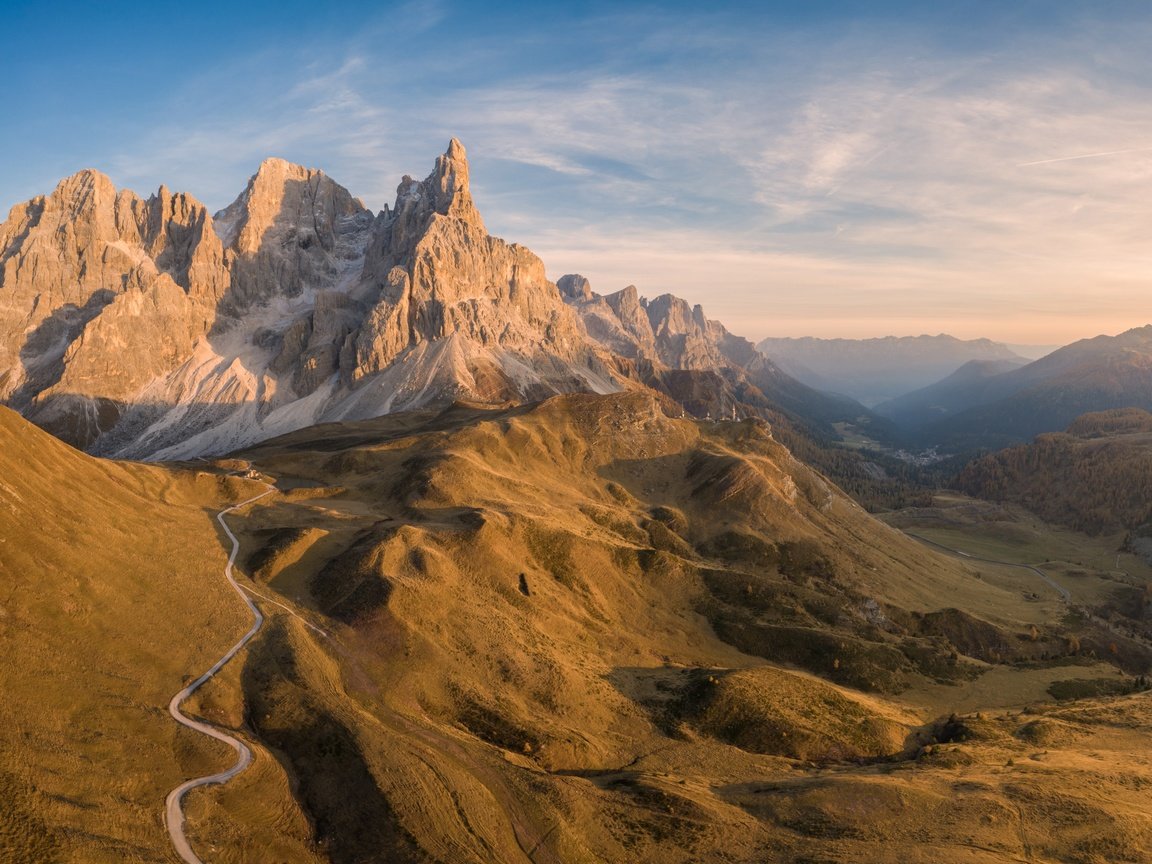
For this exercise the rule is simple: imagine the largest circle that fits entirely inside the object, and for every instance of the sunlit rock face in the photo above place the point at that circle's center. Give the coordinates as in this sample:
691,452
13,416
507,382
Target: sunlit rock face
101,292
150,329
153,329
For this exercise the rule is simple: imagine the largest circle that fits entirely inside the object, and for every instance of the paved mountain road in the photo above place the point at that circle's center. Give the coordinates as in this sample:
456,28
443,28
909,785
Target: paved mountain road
174,805
1065,594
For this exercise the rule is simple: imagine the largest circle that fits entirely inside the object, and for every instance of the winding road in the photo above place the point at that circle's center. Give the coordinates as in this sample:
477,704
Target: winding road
174,805
1065,594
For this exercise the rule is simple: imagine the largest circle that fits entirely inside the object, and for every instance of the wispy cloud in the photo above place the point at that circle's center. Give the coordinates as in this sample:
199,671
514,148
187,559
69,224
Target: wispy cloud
788,171
1085,156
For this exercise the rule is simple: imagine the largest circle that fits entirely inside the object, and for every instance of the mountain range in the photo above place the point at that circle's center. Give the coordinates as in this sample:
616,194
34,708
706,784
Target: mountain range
963,396
989,405
542,577
151,329
876,370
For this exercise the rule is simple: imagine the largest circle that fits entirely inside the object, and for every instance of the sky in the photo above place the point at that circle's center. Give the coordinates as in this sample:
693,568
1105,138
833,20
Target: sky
832,169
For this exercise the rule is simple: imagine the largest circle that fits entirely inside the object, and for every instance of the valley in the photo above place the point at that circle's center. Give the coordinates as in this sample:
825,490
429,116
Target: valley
588,630
489,568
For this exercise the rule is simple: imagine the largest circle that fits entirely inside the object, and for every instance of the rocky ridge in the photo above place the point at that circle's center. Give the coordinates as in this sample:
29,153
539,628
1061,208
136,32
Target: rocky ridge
151,329
674,348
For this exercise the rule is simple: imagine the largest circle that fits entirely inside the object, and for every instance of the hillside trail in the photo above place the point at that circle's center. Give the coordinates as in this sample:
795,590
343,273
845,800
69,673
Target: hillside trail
528,837
174,804
1065,594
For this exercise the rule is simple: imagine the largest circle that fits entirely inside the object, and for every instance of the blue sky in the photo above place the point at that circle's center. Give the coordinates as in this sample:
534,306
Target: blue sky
800,168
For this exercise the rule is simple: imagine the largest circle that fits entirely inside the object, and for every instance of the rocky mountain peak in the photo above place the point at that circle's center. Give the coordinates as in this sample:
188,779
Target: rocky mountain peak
84,188
445,192
450,182
291,229
83,206
103,291
280,191
574,287
439,275
295,304
670,314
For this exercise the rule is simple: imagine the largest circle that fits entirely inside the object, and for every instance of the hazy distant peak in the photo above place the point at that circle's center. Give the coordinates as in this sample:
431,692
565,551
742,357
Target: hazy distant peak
878,369
941,338
1141,335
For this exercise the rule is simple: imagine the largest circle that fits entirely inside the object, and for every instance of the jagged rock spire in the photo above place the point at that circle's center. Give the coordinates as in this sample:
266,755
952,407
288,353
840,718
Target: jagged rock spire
449,181
292,305
445,191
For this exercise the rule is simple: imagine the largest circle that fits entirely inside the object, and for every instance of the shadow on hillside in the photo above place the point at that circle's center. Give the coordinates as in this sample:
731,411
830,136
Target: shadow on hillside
352,818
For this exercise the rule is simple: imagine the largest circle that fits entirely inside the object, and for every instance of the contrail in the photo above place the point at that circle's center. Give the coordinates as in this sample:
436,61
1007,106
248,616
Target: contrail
1085,156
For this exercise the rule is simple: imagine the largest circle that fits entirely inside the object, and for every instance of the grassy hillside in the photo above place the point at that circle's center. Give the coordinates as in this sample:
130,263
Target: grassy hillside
578,631
599,633
111,598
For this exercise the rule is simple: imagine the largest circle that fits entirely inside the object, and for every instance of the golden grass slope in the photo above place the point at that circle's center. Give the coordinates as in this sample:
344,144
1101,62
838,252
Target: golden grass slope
587,631
581,631
111,598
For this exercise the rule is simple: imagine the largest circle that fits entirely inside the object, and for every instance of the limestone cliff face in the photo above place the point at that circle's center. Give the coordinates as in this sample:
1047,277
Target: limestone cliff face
438,273
672,347
149,329
100,292
293,229
141,327
665,331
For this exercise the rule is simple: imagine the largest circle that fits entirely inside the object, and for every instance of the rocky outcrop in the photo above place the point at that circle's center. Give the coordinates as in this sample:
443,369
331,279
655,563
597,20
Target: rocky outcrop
100,292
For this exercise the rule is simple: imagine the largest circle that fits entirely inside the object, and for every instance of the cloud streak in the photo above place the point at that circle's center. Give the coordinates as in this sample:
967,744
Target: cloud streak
798,178
1085,156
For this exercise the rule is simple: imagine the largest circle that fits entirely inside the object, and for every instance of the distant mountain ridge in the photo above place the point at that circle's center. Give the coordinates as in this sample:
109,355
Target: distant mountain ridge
876,370
985,407
152,329
673,348
974,382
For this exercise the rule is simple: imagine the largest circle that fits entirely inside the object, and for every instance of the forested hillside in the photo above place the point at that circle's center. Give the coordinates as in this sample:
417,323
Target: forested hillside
1095,477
